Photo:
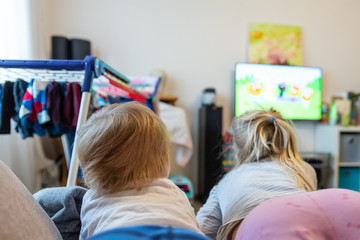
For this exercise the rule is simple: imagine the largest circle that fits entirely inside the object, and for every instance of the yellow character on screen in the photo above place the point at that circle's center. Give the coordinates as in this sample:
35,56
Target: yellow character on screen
255,88
294,91
306,96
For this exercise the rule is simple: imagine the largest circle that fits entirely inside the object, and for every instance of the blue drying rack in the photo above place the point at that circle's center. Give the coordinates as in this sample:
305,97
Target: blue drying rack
70,70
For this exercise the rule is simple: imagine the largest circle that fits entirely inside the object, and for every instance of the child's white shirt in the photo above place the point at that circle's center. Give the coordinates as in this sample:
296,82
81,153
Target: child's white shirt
161,203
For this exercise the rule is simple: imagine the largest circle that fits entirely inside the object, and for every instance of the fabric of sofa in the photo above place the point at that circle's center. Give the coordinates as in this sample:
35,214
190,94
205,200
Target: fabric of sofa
21,216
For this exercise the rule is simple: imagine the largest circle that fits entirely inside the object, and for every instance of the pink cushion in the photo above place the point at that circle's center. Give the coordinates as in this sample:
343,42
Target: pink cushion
323,214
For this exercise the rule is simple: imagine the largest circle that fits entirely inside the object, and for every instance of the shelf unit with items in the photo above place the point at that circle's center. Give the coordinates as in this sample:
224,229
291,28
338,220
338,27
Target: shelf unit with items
343,143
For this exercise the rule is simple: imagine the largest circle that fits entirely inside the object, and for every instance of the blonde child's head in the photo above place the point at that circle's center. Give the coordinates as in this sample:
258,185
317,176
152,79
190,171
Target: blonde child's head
263,135
123,146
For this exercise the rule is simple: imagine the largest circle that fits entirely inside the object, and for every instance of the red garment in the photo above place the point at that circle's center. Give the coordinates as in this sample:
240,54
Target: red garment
55,102
72,104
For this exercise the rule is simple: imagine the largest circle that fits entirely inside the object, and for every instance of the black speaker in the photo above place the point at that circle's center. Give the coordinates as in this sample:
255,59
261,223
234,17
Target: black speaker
210,148
60,47
80,48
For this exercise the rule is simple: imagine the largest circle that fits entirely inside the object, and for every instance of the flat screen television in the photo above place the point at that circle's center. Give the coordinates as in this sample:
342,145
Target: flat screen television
294,91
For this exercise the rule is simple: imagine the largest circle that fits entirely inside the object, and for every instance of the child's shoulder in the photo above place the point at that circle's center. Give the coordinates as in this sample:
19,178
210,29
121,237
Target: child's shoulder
164,183
166,186
264,164
249,169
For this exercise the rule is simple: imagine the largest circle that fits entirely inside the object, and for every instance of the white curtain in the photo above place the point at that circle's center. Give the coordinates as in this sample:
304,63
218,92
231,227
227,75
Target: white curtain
39,34
22,28
15,29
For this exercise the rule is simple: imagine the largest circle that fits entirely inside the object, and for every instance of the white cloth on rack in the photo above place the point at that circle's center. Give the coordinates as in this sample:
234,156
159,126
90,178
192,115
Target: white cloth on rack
176,123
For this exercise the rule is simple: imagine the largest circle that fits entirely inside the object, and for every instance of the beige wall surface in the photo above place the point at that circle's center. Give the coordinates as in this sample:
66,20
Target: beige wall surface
197,43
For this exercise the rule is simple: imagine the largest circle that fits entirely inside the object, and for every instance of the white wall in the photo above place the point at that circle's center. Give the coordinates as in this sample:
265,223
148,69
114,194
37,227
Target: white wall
197,43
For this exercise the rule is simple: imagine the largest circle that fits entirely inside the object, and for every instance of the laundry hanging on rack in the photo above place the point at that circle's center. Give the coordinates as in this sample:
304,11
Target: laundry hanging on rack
33,112
49,116
84,71
20,87
106,91
55,105
51,108
39,107
72,104
7,107
102,99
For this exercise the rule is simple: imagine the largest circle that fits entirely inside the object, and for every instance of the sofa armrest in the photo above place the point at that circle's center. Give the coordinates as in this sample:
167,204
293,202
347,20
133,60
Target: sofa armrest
21,216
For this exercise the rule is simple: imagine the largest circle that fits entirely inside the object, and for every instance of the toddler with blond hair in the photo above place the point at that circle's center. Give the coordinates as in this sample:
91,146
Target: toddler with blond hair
124,154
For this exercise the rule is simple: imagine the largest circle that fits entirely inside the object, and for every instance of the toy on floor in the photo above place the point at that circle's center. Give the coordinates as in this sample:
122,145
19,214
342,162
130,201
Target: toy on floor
184,184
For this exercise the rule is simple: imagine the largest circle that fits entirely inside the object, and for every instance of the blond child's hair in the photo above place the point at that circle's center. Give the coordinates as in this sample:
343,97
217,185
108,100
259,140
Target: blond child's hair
123,146
263,134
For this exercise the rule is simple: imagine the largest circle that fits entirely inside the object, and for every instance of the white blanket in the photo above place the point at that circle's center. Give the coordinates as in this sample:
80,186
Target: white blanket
177,125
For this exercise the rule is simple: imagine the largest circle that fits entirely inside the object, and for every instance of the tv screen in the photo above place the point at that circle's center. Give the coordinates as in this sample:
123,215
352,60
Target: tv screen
294,91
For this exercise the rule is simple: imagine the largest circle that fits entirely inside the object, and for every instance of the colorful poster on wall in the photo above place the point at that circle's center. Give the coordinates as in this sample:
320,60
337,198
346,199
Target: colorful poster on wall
275,44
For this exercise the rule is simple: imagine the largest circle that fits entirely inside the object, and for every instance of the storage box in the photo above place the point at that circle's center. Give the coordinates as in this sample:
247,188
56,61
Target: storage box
350,147
349,178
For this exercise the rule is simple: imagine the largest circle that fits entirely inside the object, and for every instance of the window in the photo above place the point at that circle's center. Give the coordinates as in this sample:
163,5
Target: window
15,38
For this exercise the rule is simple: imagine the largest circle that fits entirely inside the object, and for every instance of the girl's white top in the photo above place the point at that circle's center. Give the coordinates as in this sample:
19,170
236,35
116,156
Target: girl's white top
161,203
241,190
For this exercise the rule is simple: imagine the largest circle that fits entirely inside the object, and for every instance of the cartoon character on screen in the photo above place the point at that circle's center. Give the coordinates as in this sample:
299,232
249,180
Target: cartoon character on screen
306,96
255,88
282,88
294,90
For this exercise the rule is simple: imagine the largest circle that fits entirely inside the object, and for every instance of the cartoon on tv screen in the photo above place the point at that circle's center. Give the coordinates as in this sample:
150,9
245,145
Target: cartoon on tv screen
293,91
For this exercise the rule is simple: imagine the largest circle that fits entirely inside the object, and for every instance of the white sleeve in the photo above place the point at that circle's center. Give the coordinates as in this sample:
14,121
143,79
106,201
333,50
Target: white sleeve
209,216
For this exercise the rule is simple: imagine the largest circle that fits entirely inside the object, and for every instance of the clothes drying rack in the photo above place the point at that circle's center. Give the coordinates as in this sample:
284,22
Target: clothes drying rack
71,70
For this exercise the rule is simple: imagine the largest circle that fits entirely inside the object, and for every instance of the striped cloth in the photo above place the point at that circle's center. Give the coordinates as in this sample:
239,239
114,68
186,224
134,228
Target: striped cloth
33,111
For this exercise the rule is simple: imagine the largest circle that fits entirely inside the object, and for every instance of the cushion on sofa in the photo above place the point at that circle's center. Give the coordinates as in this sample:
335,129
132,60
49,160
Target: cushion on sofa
21,216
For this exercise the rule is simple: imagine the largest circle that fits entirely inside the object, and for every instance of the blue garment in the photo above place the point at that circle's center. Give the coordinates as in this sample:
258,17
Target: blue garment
71,138
63,206
148,233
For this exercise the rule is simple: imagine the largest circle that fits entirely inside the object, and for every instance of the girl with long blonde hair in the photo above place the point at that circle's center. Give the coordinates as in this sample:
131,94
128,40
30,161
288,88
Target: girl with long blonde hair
267,165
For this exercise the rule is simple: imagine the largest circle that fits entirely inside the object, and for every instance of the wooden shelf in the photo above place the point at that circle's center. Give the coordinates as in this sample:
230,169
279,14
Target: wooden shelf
349,164
169,99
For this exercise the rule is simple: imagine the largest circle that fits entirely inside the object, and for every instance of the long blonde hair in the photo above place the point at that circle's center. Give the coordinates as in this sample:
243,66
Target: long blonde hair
263,134
123,146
